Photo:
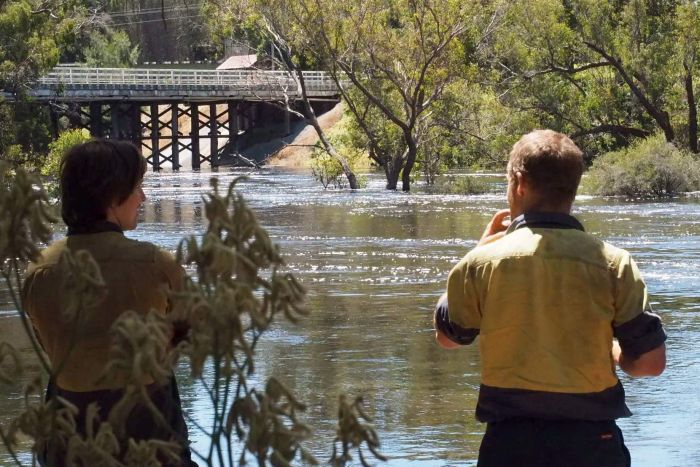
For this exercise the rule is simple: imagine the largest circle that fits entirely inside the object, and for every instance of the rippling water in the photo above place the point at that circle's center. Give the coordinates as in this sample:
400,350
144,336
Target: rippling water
375,262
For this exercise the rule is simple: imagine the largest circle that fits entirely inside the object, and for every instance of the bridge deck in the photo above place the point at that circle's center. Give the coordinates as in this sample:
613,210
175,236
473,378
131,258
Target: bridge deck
134,84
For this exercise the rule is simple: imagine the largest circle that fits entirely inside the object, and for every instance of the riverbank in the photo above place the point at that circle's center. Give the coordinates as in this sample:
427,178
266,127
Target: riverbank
295,150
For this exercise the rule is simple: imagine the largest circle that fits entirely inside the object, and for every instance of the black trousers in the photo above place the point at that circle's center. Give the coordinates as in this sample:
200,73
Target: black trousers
553,443
139,425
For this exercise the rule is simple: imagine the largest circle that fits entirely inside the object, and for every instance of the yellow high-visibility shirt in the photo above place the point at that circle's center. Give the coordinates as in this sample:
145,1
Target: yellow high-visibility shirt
546,301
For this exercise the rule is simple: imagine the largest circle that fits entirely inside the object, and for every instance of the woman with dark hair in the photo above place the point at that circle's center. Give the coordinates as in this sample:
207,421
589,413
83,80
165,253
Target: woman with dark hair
101,194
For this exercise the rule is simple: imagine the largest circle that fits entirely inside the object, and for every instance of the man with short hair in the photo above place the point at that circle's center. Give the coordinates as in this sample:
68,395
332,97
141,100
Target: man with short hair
546,299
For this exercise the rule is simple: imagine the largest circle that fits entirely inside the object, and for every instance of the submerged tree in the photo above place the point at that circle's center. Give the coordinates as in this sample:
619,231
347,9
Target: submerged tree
398,57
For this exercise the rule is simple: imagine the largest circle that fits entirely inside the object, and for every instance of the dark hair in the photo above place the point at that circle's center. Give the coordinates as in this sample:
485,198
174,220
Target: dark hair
94,175
551,161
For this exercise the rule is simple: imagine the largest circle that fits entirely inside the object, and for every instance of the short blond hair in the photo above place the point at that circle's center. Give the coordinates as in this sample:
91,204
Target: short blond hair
551,161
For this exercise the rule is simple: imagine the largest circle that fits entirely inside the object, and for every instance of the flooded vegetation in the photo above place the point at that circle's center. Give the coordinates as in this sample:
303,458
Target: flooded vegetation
375,262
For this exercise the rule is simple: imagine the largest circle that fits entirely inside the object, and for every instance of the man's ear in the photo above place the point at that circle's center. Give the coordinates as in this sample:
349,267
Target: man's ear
520,182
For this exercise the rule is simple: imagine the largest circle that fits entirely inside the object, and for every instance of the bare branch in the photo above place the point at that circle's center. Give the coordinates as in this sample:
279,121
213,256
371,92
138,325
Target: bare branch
612,129
570,70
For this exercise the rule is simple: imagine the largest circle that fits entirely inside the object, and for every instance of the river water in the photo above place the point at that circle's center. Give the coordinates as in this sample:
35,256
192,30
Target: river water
375,262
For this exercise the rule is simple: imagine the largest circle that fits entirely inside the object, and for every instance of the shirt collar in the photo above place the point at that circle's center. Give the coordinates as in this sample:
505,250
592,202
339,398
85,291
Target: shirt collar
98,227
547,220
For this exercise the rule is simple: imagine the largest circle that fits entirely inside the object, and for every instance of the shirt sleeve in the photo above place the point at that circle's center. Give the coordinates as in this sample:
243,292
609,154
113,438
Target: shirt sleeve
457,314
27,300
635,326
174,272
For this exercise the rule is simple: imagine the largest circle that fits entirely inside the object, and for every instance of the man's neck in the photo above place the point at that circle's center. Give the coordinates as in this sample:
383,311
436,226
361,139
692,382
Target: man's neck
540,207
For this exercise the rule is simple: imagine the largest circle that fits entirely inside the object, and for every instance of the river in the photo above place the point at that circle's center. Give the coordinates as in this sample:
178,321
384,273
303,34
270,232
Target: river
375,262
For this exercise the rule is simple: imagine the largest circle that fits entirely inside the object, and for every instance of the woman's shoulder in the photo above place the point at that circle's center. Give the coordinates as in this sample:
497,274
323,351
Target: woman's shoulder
149,252
132,250
48,257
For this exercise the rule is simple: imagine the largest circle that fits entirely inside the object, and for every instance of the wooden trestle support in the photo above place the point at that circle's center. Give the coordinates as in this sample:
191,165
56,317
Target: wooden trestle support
161,129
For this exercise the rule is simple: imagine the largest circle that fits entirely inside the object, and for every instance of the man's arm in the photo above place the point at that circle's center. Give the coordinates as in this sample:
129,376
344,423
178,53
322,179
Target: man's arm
448,334
640,348
651,363
444,341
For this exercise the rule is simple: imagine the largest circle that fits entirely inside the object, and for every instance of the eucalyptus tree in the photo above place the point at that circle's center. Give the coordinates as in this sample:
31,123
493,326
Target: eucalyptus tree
594,67
688,52
34,36
394,59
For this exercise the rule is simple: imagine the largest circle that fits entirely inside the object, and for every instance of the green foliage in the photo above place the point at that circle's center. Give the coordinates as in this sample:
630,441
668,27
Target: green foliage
24,134
353,433
58,148
605,72
240,288
34,35
648,168
461,185
25,225
27,47
26,218
110,49
398,57
326,169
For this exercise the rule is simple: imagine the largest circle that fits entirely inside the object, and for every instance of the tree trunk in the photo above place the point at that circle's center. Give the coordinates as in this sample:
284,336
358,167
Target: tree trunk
329,148
659,115
411,153
393,170
692,110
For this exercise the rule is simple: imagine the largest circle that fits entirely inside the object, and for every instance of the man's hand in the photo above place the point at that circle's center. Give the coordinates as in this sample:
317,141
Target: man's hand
496,228
441,338
616,352
651,363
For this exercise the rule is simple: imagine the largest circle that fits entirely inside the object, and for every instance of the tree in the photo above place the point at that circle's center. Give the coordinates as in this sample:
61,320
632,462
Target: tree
26,51
398,55
34,36
286,51
598,68
27,47
688,52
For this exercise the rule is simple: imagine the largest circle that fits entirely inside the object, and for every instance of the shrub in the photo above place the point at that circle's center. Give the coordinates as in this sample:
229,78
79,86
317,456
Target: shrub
326,169
239,286
461,185
648,168
67,139
329,172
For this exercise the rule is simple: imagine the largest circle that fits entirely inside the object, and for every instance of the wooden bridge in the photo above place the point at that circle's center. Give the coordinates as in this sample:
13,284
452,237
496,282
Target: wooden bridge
74,84
208,114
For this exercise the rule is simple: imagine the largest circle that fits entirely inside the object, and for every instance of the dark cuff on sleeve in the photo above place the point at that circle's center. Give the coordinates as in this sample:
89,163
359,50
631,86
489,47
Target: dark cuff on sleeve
640,335
452,331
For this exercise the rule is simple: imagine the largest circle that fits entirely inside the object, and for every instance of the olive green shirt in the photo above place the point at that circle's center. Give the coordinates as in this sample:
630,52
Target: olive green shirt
138,276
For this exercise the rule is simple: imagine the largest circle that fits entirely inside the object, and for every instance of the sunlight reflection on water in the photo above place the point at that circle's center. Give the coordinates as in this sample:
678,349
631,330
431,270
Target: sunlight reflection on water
375,263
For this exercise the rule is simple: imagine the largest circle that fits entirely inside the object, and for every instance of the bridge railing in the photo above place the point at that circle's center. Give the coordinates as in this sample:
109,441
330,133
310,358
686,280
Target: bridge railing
248,79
